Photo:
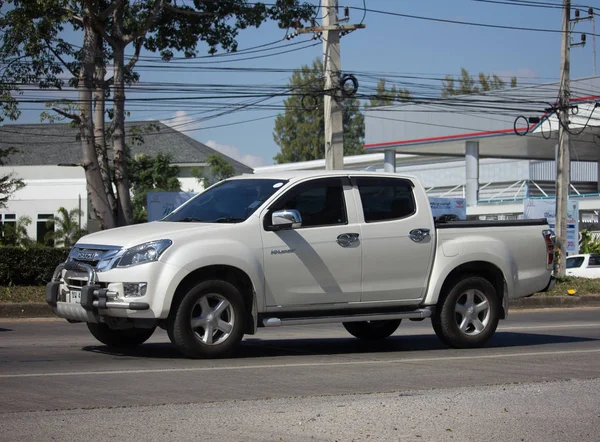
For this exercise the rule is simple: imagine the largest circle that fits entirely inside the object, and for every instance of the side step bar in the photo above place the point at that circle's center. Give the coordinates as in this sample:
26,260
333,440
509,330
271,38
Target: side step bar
421,313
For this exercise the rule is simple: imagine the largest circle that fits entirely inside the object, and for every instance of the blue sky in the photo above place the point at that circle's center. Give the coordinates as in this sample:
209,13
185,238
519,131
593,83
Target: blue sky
388,44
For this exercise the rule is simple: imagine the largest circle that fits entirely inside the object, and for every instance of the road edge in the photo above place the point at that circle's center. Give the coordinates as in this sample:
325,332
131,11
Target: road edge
42,310
555,302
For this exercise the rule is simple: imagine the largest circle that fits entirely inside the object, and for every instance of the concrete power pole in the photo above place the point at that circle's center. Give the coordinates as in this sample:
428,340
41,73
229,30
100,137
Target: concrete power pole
563,158
332,66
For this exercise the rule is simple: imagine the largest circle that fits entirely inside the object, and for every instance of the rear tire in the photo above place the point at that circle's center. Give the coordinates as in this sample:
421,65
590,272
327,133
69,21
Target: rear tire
210,320
125,338
372,330
467,316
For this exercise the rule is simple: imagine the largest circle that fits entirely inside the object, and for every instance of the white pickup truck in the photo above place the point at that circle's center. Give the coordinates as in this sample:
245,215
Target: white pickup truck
270,250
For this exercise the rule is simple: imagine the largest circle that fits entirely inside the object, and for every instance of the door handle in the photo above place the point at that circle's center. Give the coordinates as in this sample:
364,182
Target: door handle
418,235
347,239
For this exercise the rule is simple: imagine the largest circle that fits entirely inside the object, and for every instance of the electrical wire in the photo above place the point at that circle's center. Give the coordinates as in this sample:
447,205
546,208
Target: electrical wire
364,12
73,141
559,4
242,52
460,22
521,4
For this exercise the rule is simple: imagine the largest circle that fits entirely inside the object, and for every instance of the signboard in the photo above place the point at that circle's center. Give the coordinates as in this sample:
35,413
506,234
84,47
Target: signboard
546,208
160,204
448,206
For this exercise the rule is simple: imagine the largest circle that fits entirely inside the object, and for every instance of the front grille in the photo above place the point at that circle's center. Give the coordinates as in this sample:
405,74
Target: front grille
76,283
92,254
93,264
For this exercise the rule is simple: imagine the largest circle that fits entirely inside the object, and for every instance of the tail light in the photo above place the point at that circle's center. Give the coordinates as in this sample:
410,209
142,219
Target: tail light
549,239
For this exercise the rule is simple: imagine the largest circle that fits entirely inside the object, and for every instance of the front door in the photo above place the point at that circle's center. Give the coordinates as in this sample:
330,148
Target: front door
309,265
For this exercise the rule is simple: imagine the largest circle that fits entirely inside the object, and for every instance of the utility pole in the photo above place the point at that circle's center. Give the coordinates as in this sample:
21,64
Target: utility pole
594,42
563,157
332,66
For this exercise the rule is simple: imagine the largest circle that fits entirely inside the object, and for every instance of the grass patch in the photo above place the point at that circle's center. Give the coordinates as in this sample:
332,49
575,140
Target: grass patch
581,286
22,293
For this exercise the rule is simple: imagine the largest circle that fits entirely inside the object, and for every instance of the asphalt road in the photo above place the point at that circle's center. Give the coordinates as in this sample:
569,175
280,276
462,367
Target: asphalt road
538,379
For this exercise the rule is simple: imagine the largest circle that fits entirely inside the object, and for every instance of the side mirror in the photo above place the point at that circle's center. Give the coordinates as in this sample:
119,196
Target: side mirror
286,219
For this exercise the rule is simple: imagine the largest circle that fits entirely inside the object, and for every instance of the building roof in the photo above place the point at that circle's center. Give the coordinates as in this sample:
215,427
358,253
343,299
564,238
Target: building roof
51,144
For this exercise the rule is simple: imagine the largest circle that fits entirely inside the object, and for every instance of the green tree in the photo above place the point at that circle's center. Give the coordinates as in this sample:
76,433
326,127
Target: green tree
9,183
385,97
151,174
16,235
65,228
33,52
300,130
218,169
468,85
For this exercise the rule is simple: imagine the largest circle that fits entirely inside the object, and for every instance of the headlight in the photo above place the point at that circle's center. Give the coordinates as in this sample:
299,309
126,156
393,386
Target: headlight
146,252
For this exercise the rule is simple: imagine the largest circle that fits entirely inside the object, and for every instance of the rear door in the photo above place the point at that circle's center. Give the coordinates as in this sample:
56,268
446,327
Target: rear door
397,239
593,266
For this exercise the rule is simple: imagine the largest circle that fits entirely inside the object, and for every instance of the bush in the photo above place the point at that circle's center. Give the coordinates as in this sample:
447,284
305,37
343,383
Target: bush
588,243
32,266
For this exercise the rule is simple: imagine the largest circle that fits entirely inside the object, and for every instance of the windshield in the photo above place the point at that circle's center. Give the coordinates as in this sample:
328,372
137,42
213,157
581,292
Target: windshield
573,263
231,201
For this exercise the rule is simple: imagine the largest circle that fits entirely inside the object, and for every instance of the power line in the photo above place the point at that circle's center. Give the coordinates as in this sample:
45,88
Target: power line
242,52
75,142
459,22
559,4
521,4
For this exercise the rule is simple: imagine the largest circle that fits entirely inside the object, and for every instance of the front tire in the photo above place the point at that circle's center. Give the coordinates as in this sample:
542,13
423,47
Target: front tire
467,316
372,330
121,338
210,320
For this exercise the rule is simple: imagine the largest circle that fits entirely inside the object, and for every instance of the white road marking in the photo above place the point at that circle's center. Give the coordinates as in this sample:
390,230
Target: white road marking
530,327
300,364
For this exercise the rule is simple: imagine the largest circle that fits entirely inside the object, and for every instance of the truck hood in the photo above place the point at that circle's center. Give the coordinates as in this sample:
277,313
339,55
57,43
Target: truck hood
130,236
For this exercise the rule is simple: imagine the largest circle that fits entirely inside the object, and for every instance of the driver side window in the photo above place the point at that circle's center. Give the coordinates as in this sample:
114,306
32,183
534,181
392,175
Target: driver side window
320,202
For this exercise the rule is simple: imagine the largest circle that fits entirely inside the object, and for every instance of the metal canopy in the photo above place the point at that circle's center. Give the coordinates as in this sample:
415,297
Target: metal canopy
442,127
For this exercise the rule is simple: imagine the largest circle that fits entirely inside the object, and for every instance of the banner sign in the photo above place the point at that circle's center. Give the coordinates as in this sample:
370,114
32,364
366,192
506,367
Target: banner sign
546,208
448,206
160,204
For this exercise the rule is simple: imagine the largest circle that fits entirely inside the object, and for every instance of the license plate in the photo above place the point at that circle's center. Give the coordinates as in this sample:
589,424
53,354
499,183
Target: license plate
75,296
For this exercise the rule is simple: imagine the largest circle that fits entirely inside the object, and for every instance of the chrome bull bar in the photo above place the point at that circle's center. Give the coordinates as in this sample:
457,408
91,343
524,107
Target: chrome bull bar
93,296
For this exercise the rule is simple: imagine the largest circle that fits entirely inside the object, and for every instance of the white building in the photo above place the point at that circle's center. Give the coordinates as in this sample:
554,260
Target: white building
47,162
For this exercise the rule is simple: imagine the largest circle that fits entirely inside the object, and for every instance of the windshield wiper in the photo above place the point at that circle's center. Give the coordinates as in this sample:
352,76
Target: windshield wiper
229,219
190,219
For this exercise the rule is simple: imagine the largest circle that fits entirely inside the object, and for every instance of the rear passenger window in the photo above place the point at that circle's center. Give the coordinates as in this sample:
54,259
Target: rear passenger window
594,261
385,199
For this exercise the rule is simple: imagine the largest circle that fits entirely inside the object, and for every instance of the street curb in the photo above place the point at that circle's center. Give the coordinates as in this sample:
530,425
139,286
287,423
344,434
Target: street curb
43,310
25,310
555,302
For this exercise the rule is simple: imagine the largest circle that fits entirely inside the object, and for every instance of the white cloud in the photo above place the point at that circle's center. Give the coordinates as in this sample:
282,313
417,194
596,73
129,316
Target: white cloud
182,122
233,152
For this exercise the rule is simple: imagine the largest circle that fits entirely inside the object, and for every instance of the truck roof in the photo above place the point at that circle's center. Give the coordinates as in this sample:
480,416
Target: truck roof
293,175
